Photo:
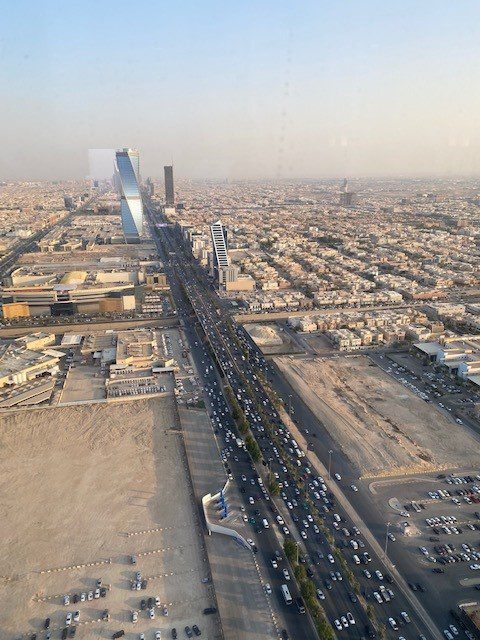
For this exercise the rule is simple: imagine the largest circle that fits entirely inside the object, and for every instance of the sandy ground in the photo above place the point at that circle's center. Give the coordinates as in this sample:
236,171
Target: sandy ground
95,484
384,428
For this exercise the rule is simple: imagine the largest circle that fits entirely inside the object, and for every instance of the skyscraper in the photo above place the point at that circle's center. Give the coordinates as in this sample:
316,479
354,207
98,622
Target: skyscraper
127,179
220,245
169,190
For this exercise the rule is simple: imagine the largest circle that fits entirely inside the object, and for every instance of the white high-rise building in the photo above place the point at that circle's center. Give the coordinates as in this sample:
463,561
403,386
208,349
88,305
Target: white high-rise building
127,179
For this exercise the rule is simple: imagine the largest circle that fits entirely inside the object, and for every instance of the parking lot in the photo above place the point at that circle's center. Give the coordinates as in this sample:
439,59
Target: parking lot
434,535
112,498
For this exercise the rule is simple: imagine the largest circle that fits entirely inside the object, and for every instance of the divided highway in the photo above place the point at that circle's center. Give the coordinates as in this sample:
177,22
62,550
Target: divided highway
341,604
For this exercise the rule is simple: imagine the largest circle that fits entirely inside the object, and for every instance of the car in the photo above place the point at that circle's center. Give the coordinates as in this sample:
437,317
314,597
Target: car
209,611
151,613
76,616
379,574
303,534
344,622
286,574
66,600
165,610
320,594
367,573
328,584
251,500
393,624
337,476
391,536
330,558
268,589
46,624
447,634
274,563
174,634
405,616
475,567
350,618
105,615
377,597
68,619
188,632
354,487
337,624
453,629
196,630
158,635
134,616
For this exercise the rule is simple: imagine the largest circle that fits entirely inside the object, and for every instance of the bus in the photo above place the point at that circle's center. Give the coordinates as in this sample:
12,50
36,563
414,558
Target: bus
286,594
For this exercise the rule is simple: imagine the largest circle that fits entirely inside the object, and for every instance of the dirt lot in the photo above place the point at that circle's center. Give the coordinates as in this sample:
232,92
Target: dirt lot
84,485
384,428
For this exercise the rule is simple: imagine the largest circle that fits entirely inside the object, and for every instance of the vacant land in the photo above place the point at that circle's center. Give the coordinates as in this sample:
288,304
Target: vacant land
92,485
384,428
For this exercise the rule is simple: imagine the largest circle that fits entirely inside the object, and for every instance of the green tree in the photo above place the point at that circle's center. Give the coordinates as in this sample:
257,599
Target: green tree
300,573
291,551
253,448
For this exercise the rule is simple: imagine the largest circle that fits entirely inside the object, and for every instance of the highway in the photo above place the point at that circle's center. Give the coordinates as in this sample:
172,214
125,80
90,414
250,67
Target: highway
236,369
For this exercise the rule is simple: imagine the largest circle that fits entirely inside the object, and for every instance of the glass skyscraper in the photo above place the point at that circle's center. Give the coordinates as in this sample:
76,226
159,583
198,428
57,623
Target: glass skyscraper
127,178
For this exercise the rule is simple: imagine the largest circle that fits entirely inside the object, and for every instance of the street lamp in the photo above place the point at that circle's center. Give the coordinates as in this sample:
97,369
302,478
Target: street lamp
290,403
386,540
329,462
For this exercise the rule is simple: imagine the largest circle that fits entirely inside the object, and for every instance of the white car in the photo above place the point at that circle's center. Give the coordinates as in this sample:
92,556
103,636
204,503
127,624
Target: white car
268,589
68,619
354,487
337,476
76,616
320,594
286,574
338,625
151,613
274,563
304,536
134,616
344,621
330,558
158,635
251,500
286,531
350,618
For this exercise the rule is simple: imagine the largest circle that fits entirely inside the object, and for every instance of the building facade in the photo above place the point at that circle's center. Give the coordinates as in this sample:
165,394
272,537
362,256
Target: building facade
169,188
127,179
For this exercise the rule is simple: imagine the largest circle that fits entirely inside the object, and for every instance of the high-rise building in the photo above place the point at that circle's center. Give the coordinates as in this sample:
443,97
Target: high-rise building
169,190
127,179
220,245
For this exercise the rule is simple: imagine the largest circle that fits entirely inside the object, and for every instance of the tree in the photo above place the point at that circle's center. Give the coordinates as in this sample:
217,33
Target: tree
300,573
291,551
273,487
253,448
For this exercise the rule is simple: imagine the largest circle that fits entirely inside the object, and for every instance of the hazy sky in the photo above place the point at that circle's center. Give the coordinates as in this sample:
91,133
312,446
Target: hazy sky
240,88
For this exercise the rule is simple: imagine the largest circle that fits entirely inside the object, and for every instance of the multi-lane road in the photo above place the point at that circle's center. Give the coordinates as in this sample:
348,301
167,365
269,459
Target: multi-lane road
229,352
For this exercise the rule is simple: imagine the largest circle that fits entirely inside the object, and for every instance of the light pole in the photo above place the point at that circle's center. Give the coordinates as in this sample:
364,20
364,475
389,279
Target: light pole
290,403
386,540
329,462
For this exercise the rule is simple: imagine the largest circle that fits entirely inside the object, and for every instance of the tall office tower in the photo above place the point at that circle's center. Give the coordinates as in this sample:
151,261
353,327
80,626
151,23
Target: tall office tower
220,245
344,187
127,178
169,191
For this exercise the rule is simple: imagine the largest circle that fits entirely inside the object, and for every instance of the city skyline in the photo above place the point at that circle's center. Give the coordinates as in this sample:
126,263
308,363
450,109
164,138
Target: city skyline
266,92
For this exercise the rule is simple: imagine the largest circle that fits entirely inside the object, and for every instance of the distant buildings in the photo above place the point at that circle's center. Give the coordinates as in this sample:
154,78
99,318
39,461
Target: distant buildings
169,189
127,179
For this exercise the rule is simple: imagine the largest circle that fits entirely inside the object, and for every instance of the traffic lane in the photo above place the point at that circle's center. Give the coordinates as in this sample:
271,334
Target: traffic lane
267,546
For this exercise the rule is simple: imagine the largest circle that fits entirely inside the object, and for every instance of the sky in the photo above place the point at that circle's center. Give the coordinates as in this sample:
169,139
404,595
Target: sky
241,89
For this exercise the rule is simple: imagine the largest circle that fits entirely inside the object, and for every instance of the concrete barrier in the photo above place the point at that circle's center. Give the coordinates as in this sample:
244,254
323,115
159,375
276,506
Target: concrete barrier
217,528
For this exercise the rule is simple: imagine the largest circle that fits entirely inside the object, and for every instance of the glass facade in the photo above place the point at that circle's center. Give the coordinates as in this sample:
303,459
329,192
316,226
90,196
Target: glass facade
127,166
